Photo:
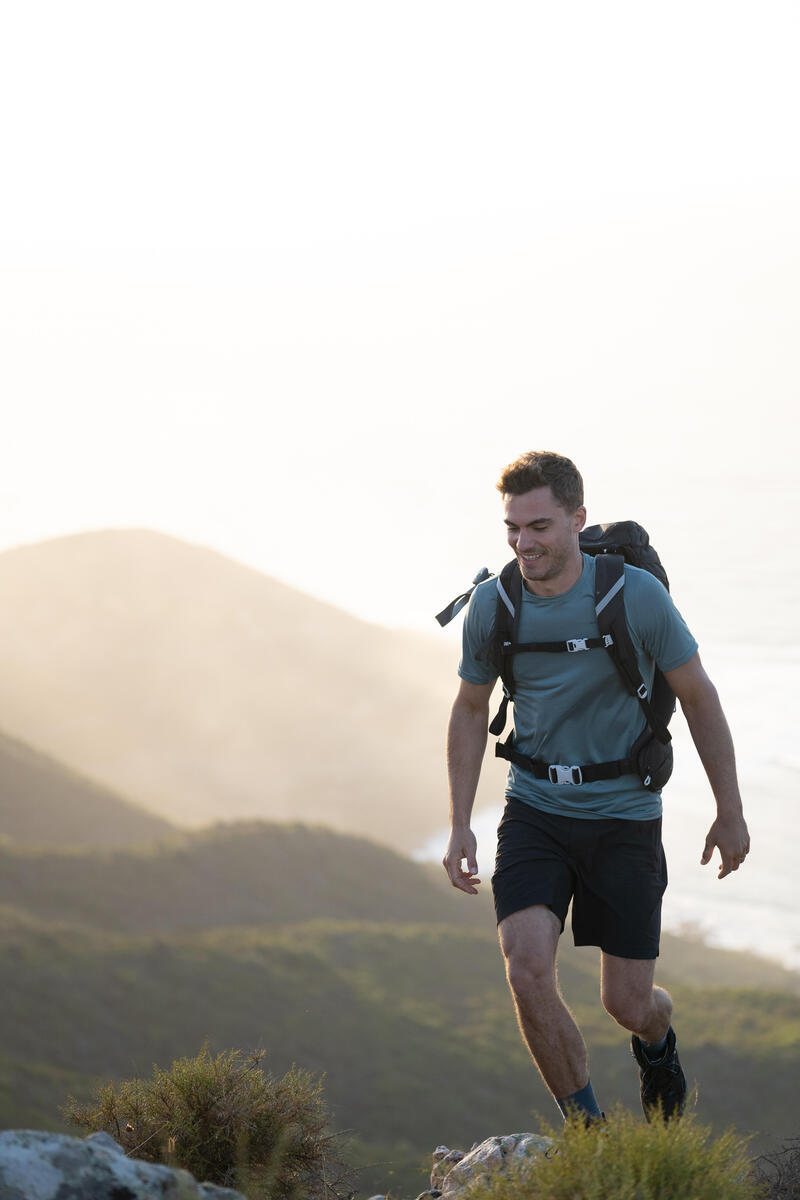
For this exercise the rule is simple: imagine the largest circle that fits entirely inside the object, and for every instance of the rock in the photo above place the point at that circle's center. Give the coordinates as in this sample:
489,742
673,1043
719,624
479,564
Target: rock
443,1162
453,1171
37,1165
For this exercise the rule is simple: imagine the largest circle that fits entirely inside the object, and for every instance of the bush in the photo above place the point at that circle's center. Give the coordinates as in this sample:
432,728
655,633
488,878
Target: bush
781,1171
628,1159
228,1122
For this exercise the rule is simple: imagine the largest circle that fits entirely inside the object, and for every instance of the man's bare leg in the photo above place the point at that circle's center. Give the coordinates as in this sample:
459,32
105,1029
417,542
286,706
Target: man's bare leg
635,1004
631,999
529,941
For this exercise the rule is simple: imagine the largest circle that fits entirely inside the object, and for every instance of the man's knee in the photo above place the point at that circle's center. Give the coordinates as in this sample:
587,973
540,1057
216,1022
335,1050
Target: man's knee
529,976
630,1011
632,1004
529,940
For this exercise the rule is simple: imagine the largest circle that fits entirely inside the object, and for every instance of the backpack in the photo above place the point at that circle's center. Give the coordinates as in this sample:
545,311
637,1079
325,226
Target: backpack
650,756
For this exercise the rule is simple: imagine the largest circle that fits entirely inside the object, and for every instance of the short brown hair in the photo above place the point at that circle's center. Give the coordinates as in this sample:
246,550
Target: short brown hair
544,468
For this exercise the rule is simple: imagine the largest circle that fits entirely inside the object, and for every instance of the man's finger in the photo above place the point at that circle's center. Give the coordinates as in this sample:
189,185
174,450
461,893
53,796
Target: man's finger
708,850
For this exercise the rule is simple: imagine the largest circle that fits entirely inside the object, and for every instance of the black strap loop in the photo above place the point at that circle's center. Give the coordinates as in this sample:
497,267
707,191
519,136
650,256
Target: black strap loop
499,723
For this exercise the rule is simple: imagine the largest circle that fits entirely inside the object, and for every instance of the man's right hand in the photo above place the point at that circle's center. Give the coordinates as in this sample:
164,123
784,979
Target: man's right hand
462,845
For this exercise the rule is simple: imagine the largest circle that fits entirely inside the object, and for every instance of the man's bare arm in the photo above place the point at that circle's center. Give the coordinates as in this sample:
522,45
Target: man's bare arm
466,743
712,737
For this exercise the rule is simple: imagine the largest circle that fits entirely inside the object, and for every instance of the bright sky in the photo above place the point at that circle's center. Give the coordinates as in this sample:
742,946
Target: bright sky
296,280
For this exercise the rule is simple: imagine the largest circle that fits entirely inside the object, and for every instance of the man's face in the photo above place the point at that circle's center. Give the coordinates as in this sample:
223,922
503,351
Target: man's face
544,537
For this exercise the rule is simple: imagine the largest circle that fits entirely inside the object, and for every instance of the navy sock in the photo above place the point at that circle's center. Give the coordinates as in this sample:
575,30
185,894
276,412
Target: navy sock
583,1101
655,1050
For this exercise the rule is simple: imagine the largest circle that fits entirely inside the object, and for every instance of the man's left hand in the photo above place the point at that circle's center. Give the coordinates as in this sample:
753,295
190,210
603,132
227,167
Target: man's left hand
730,836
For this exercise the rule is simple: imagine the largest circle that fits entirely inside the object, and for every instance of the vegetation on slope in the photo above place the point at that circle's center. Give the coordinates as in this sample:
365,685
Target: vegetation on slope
241,874
301,943
410,1023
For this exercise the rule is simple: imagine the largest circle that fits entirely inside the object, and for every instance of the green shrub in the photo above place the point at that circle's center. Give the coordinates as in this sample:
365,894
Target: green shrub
228,1122
628,1159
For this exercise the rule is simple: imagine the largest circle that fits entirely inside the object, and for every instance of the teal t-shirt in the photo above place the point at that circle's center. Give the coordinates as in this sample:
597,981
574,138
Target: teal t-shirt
574,708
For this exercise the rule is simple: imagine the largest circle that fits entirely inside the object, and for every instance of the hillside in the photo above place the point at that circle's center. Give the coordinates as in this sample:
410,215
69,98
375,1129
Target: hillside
44,803
410,1023
204,690
350,960
241,874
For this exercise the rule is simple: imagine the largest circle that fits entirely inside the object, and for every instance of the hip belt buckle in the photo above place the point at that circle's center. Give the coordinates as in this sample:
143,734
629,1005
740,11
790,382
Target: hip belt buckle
559,773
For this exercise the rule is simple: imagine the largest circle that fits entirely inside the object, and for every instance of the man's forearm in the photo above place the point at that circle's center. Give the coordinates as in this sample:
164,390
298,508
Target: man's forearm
466,743
712,737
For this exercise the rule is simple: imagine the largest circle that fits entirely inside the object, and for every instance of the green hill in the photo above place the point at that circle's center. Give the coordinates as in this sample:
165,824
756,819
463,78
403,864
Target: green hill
44,803
351,961
411,1024
241,874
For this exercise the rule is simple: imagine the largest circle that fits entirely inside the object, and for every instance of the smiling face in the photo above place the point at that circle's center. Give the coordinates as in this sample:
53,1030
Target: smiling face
544,537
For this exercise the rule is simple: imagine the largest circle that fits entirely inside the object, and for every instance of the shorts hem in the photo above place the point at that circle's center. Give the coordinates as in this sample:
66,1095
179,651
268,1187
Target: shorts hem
616,952
509,910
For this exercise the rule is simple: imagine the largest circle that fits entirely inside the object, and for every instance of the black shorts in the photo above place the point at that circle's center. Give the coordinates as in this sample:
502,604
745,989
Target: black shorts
614,872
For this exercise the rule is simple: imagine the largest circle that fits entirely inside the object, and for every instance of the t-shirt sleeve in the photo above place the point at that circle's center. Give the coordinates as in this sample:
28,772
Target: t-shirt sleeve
474,666
653,617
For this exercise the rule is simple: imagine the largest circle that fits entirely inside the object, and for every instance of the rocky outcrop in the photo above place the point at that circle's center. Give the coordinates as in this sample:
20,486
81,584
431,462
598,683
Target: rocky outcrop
36,1165
454,1171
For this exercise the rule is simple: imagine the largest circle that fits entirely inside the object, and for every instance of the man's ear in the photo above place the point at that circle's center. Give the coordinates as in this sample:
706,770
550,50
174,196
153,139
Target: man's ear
579,518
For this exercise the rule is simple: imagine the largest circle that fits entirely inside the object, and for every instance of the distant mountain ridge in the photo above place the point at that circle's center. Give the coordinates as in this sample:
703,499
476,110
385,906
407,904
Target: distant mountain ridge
204,690
44,803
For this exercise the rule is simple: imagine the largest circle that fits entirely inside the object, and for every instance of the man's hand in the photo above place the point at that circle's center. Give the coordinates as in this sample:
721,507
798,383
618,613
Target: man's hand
462,845
730,836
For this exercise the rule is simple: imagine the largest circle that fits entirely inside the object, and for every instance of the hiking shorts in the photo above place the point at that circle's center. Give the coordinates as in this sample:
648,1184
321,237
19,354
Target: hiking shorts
613,871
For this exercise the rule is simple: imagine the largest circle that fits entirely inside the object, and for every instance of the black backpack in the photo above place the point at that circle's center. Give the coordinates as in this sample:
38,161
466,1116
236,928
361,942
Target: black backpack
650,756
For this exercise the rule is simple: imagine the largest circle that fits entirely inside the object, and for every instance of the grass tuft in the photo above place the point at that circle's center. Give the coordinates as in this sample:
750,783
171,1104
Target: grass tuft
628,1159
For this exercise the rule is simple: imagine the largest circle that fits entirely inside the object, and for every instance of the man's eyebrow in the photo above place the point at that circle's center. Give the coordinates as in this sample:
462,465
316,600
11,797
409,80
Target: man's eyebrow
535,521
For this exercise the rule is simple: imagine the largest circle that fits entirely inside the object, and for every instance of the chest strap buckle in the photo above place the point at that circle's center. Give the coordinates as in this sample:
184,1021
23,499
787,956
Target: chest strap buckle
575,644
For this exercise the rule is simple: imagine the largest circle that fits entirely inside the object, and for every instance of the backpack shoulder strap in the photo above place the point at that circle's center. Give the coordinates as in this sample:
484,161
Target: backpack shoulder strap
609,599
506,624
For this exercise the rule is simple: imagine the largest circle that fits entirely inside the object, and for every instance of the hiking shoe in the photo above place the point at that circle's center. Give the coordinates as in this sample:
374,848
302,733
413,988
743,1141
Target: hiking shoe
662,1084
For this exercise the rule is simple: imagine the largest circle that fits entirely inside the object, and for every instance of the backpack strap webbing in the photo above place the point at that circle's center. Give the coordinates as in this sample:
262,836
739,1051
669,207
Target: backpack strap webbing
573,773
609,599
503,639
455,606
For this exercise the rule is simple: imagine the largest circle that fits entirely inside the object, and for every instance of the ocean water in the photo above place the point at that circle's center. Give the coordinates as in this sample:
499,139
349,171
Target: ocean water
757,907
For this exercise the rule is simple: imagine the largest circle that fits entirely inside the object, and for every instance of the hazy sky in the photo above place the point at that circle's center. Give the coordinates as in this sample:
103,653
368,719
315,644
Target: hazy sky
296,280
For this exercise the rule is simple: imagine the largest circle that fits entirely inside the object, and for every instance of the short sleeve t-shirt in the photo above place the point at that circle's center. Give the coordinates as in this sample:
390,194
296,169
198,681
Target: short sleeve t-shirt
574,708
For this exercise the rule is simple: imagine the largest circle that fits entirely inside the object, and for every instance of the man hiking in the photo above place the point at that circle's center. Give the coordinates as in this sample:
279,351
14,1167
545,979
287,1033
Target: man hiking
596,842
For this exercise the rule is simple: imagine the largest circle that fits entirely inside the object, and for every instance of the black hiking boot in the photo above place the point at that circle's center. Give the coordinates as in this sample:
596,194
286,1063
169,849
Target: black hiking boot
662,1084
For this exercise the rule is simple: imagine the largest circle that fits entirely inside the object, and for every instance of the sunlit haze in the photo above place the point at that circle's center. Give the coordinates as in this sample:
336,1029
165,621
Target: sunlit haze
295,282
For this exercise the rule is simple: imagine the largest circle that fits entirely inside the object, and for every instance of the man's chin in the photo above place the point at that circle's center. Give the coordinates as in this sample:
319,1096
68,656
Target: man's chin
532,568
